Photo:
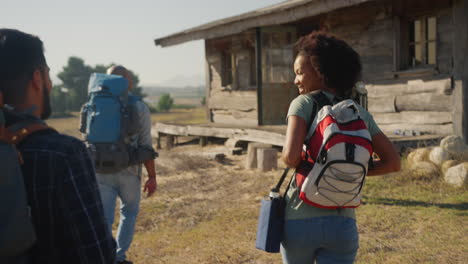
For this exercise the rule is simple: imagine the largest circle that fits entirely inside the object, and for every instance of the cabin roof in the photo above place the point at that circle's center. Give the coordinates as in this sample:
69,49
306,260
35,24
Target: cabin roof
281,13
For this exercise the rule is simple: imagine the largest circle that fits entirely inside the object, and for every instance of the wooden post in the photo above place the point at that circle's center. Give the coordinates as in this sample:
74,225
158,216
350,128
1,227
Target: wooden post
258,62
203,141
251,159
169,142
158,141
460,68
209,116
267,159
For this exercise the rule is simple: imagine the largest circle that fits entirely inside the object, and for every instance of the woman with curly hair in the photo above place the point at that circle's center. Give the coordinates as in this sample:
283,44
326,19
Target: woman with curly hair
328,65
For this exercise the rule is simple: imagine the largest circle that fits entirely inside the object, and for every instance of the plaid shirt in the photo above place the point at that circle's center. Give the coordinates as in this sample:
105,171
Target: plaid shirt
65,203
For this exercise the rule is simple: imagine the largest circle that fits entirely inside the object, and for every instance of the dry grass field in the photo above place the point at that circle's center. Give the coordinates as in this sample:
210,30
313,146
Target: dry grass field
205,211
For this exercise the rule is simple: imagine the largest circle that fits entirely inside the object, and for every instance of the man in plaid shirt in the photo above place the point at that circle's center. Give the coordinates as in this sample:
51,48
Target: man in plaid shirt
59,177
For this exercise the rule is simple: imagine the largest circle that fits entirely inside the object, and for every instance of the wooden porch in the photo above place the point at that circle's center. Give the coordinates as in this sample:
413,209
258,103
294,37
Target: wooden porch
274,135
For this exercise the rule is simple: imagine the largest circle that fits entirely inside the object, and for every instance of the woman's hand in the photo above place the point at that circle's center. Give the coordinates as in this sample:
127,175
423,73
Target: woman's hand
295,135
389,158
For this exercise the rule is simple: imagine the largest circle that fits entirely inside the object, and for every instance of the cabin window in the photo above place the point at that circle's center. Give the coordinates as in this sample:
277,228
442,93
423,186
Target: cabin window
422,42
416,43
226,68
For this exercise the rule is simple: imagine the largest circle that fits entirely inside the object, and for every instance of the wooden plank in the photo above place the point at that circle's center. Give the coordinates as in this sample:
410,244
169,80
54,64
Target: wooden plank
261,136
212,131
239,100
395,88
444,129
159,128
413,117
423,102
382,104
230,120
244,134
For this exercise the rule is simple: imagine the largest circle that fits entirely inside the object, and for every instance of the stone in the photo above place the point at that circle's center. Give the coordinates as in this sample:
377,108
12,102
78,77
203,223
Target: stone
424,170
418,155
457,175
455,146
448,164
267,159
251,159
438,156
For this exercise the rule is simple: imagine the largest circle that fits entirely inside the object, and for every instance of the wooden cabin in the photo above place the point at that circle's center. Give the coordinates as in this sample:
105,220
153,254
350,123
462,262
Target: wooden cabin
414,55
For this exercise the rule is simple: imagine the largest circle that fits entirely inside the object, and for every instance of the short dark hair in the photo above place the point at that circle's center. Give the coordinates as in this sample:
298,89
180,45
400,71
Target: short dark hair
332,57
20,55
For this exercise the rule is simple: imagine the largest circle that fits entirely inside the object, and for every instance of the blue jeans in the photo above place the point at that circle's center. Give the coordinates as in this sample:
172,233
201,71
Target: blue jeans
326,239
128,188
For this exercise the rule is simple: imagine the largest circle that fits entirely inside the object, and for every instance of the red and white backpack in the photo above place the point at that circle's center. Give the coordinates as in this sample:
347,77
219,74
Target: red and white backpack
337,152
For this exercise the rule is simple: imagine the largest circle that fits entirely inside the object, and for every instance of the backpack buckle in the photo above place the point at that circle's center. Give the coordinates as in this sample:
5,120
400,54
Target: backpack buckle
322,158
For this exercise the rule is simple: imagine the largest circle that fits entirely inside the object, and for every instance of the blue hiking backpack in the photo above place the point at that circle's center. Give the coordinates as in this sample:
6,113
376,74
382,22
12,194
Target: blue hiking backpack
108,119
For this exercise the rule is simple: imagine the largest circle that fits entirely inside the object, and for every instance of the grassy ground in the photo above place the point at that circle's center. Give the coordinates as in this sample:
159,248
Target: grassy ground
206,212
69,125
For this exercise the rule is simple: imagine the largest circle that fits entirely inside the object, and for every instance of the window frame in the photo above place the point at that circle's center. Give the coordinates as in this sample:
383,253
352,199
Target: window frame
402,45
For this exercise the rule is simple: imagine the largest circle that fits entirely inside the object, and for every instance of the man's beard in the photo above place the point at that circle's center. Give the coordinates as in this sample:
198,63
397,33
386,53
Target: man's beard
46,108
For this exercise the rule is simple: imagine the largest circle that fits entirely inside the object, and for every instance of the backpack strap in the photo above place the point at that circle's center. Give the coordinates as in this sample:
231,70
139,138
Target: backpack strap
16,136
18,131
320,100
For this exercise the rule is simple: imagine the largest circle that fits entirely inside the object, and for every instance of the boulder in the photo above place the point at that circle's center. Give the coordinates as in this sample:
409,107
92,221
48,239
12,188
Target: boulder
457,175
424,170
455,146
438,156
448,164
418,155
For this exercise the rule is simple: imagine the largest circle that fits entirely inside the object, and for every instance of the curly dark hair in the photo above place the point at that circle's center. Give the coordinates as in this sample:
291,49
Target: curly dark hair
332,57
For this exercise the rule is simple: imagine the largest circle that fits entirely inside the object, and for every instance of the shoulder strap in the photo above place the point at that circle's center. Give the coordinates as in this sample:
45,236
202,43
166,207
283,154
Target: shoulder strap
320,100
17,132
280,182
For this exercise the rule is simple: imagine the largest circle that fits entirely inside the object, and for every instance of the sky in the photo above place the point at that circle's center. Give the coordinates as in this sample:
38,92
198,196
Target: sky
105,31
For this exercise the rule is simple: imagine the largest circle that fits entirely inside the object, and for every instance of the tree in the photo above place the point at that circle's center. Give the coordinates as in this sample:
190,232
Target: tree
58,100
165,103
74,77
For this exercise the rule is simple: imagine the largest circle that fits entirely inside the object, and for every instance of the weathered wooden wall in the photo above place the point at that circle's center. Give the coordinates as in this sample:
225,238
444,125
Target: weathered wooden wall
415,101
235,103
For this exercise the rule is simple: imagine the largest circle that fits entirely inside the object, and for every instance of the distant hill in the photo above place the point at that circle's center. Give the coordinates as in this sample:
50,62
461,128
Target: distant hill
183,80
181,92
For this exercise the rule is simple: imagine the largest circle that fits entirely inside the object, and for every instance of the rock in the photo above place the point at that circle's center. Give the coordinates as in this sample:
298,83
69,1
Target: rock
457,175
424,170
455,146
438,156
418,155
448,164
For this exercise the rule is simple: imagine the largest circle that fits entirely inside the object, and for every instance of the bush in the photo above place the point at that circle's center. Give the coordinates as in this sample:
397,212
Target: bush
153,109
165,103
